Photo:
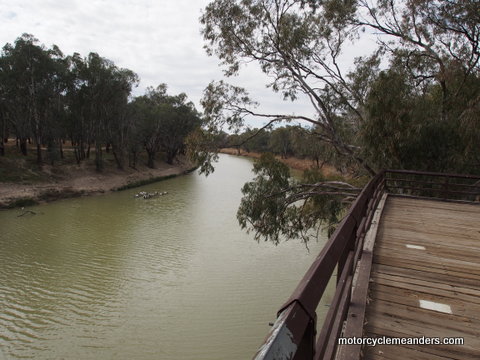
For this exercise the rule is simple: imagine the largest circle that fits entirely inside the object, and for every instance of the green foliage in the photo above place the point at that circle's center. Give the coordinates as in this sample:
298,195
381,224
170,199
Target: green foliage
413,103
31,89
50,98
280,142
254,140
276,206
98,104
201,149
263,205
322,208
409,129
286,141
164,122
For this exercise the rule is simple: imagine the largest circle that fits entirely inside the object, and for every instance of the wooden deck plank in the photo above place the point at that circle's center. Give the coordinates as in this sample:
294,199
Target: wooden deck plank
406,202
411,298
384,325
447,265
433,245
429,275
462,255
430,287
385,352
445,271
407,231
411,351
395,307
421,266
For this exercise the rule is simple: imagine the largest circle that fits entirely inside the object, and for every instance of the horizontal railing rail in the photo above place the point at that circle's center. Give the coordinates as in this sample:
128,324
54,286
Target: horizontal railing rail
433,185
293,334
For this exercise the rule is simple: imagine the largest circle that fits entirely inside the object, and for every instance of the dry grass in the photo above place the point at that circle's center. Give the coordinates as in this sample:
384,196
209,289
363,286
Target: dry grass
292,162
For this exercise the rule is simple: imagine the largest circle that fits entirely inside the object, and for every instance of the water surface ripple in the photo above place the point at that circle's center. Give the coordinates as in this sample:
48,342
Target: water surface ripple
114,277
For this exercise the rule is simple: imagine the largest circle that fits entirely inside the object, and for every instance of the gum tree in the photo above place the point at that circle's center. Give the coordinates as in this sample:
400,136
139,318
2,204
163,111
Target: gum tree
433,46
32,87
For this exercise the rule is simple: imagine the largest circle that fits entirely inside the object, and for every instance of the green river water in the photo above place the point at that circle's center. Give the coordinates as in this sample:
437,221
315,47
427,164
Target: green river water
115,277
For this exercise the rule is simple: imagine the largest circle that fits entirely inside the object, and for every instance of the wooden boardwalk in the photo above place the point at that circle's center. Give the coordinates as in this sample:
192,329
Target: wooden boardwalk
425,279
407,258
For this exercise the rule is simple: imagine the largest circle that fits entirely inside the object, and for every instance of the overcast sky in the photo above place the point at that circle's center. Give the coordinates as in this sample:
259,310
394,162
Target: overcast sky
158,39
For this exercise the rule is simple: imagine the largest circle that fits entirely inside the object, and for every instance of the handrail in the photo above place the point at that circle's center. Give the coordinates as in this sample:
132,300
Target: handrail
293,334
430,173
433,185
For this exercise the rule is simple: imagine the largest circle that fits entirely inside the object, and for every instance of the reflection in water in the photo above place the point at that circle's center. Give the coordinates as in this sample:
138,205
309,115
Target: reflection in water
114,277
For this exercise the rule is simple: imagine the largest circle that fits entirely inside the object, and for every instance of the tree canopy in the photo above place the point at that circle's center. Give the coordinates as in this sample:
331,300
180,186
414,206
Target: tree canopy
165,121
48,98
412,103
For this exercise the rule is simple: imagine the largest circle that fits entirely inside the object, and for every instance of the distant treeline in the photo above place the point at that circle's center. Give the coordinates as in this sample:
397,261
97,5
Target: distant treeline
285,141
49,98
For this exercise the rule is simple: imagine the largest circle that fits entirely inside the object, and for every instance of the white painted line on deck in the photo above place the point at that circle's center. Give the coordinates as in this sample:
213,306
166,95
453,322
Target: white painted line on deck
431,305
416,247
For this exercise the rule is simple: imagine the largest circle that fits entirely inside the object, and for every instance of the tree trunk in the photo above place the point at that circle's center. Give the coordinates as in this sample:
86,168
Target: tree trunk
171,156
3,136
81,150
151,159
98,157
132,159
77,155
2,146
119,158
39,154
23,146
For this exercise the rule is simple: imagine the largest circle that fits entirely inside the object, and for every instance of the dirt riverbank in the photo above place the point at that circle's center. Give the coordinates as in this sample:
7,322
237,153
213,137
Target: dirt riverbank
65,181
75,180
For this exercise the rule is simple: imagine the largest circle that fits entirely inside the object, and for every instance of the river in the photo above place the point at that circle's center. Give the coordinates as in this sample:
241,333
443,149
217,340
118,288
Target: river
116,277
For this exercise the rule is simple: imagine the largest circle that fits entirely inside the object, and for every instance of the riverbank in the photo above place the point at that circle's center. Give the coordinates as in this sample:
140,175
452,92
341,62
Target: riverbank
291,162
68,181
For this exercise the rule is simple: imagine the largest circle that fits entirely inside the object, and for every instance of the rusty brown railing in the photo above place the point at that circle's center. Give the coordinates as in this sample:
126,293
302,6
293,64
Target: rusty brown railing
294,333
433,185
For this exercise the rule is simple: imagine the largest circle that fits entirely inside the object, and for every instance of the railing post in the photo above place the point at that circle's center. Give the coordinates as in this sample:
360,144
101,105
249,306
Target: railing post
446,187
306,348
350,246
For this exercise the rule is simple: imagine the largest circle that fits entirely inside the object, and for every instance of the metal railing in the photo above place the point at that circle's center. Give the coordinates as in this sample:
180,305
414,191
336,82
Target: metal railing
433,185
294,333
